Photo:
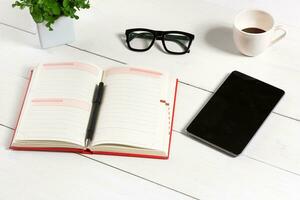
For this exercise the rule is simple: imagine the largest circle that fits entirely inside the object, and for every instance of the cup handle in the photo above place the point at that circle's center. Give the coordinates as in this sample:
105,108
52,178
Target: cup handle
283,33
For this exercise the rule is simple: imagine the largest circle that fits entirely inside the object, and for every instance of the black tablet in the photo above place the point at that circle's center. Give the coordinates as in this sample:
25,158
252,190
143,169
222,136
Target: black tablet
234,113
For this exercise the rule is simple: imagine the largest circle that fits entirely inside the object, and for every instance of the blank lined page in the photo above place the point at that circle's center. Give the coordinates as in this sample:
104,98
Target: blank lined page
58,102
70,80
131,110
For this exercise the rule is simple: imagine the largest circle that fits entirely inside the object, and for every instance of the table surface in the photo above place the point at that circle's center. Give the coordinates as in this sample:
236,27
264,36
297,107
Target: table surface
269,167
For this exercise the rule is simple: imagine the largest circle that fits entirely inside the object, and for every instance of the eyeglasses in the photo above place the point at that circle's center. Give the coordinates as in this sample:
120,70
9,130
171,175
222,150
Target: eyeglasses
174,42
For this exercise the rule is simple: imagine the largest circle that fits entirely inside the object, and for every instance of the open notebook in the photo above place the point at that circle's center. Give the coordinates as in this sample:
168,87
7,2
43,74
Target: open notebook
135,115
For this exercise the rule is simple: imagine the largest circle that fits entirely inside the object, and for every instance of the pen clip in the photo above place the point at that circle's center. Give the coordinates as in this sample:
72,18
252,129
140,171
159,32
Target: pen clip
96,94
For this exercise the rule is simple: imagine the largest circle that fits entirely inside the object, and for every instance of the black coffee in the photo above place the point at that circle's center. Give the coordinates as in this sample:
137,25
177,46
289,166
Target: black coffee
253,30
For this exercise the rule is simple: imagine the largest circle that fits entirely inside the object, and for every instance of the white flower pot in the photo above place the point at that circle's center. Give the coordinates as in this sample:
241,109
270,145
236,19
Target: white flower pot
62,33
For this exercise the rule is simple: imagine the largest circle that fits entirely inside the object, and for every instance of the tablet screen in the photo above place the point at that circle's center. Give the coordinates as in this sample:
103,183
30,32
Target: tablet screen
235,112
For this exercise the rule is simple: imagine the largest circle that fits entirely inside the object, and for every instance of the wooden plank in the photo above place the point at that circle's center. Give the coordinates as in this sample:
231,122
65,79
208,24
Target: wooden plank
42,175
12,89
15,17
20,50
206,174
288,15
213,54
276,142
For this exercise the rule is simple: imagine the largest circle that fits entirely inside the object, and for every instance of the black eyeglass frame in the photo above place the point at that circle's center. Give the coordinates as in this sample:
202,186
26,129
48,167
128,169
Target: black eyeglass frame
159,35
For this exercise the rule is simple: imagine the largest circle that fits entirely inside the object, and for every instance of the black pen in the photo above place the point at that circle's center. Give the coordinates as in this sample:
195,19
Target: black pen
98,93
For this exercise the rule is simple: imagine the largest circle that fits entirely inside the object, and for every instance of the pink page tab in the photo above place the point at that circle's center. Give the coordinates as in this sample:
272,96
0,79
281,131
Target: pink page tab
136,71
73,65
61,102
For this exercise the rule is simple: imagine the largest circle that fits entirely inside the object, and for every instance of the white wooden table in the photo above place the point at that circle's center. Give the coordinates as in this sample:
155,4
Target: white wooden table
269,167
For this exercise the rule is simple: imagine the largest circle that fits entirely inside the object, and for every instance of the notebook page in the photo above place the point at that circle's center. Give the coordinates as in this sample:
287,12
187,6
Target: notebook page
131,109
58,102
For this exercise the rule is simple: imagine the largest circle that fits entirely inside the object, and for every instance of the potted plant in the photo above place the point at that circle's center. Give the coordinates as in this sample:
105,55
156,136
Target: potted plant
54,19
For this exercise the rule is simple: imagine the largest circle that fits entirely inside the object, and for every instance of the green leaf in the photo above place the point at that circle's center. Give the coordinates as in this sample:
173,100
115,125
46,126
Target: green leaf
55,9
37,15
49,11
66,3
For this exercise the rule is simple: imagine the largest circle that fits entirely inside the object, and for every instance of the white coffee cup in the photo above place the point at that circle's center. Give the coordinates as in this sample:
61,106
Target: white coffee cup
252,42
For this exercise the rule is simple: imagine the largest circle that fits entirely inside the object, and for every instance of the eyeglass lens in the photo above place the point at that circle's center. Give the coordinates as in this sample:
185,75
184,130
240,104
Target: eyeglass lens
140,40
176,42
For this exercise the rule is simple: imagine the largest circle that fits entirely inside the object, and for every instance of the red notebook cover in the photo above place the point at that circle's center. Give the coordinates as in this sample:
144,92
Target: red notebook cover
87,151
